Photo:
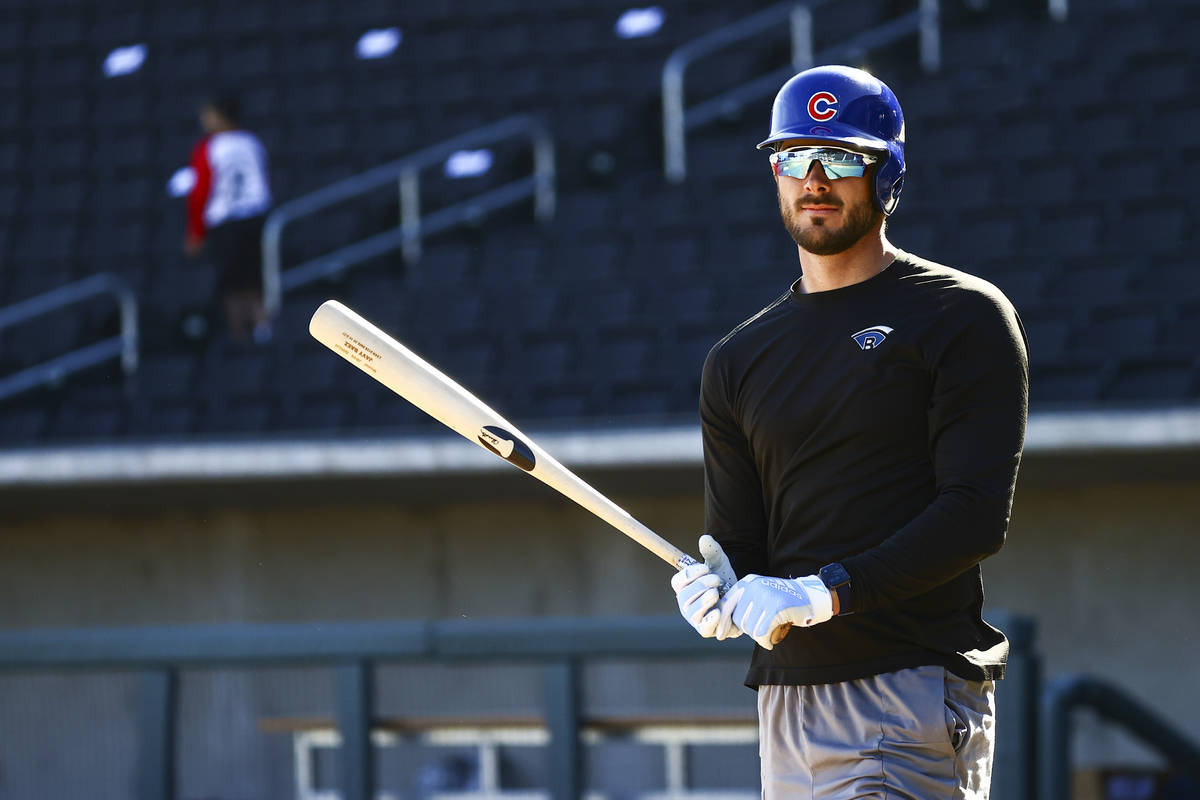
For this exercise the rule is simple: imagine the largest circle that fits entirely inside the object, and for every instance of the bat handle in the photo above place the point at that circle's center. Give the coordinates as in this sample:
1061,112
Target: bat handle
777,636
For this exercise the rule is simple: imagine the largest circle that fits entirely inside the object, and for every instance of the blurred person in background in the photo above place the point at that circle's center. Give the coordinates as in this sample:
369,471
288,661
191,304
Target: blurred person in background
226,209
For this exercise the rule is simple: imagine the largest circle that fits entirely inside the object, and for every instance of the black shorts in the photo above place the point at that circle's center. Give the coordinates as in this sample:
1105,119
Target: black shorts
235,249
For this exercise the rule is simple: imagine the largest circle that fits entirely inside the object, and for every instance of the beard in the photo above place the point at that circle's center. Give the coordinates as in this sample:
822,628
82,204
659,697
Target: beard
819,238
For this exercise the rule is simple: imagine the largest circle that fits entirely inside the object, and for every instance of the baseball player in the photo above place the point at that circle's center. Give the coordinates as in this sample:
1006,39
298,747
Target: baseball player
861,441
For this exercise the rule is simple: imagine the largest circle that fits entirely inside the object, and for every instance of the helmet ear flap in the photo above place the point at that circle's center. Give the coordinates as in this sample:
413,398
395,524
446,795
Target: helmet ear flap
889,180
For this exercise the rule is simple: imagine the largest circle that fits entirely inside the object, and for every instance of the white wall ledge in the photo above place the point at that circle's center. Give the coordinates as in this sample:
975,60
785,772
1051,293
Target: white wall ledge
1049,434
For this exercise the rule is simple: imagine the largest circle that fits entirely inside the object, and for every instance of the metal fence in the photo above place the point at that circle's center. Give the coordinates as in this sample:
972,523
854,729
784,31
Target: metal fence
557,647
1062,695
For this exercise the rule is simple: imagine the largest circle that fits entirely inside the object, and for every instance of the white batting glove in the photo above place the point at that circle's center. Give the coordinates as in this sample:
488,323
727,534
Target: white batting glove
762,605
698,592
716,560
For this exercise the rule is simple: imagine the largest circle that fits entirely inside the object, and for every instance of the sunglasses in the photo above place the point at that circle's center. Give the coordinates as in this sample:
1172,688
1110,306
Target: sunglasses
836,162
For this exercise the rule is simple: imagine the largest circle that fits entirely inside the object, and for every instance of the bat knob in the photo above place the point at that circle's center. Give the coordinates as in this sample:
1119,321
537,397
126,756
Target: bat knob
780,633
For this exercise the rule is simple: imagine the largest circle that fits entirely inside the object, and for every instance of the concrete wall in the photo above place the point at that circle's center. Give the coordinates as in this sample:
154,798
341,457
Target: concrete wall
1108,570
516,558
1110,573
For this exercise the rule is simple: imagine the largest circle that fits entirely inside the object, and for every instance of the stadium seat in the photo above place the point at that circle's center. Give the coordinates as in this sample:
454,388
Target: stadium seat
230,18
228,375
1058,383
992,233
1165,380
26,424
12,35
177,22
94,406
159,420
62,156
169,376
1023,288
1049,328
471,359
1180,322
1074,231
10,196
645,401
625,355
311,17
116,238
42,241
1118,332
82,424
246,417
1091,281
324,415
548,355
308,57
562,399
185,63
1032,189
600,305
250,61
1170,282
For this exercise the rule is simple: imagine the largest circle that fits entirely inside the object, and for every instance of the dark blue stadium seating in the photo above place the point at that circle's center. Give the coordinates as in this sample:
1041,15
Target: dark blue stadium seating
1057,160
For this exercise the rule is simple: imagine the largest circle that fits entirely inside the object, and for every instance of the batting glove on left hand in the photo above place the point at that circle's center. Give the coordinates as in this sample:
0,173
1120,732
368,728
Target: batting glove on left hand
697,590
763,605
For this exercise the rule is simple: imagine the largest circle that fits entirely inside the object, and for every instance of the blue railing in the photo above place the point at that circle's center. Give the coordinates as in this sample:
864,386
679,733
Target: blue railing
413,223
678,120
123,346
559,645
1063,695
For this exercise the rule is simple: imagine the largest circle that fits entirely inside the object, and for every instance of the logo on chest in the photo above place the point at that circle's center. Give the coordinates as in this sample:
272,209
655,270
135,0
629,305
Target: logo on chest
872,337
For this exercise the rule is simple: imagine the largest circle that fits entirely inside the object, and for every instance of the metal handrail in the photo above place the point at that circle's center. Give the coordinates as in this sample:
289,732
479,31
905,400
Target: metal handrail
677,120
266,644
413,226
560,645
124,345
1065,694
352,649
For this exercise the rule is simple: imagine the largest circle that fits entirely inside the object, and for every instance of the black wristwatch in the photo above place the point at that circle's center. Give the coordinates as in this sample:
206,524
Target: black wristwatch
836,579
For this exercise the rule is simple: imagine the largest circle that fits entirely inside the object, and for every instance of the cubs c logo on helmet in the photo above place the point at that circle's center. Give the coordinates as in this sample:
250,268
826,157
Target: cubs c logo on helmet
821,106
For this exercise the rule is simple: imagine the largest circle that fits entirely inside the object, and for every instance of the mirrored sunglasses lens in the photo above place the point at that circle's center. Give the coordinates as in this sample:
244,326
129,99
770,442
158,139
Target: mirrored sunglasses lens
792,167
835,163
844,170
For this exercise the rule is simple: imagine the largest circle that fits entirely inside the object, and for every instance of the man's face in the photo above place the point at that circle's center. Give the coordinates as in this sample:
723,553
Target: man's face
823,215
211,120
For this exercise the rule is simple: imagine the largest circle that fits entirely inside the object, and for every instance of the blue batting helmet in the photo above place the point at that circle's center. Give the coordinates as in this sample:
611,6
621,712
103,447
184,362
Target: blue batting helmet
845,106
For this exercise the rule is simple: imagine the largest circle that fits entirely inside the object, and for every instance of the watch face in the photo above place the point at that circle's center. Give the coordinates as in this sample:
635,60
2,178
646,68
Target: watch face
834,575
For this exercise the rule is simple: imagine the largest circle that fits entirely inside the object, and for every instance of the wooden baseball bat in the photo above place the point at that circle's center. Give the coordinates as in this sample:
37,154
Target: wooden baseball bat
404,372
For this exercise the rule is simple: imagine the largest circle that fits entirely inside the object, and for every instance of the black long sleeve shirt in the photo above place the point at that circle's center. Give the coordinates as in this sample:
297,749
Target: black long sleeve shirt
893,451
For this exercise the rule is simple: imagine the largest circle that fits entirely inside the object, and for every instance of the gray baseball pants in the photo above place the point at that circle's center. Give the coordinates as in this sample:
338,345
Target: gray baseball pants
916,734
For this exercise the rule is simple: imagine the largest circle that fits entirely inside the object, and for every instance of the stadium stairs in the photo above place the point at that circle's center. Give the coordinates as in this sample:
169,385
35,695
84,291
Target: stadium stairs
1027,166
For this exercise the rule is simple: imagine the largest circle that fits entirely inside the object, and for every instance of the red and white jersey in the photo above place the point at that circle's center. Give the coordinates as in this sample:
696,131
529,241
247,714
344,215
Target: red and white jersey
232,181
